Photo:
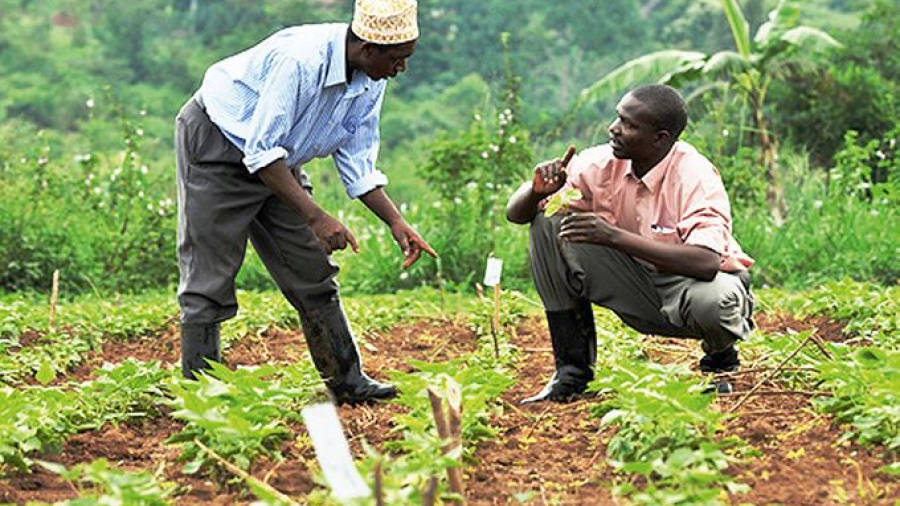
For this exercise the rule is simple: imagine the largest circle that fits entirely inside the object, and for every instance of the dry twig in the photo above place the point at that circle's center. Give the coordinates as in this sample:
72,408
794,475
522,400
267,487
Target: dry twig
237,471
771,374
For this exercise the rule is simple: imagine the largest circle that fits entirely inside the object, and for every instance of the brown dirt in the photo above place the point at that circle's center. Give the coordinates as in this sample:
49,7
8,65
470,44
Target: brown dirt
550,453
828,330
553,453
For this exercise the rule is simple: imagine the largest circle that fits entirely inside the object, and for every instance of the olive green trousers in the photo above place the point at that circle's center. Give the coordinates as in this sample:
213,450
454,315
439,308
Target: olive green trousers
718,312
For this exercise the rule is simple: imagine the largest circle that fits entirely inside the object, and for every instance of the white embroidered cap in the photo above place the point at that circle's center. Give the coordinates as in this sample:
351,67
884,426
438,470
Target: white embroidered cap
385,21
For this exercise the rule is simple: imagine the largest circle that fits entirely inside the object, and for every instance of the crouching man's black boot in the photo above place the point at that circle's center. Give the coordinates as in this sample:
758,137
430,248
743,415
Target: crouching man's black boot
574,340
334,352
199,343
723,361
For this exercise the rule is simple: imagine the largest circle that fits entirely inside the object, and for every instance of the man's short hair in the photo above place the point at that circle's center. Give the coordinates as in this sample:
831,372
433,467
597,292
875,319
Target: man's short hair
666,106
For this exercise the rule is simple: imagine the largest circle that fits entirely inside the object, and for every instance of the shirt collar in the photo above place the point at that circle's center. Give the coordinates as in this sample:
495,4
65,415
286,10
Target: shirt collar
654,177
337,66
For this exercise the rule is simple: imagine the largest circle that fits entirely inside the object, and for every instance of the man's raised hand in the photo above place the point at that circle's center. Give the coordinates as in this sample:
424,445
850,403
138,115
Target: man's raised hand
550,176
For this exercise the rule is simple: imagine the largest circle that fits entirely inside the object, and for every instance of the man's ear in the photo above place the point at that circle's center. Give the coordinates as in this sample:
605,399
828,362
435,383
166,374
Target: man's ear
368,48
663,136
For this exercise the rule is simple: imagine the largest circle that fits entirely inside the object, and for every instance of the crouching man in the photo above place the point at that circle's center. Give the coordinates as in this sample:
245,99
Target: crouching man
650,239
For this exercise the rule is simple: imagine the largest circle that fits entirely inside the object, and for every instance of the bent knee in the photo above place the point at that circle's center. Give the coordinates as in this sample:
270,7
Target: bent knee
719,301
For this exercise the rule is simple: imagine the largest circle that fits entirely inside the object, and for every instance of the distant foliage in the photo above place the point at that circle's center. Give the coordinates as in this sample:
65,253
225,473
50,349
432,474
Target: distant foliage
843,222
100,218
87,176
858,89
472,172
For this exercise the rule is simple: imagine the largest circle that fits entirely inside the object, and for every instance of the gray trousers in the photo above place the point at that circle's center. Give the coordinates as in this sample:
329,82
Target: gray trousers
220,205
718,312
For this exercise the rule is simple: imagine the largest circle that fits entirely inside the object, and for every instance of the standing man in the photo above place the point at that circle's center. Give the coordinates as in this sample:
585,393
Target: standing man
305,92
650,239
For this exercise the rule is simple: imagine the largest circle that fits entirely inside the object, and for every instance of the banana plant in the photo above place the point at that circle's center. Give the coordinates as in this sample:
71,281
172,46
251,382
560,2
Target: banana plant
779,47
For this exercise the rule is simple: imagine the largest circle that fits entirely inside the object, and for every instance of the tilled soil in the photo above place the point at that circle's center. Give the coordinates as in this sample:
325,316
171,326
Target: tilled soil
544,453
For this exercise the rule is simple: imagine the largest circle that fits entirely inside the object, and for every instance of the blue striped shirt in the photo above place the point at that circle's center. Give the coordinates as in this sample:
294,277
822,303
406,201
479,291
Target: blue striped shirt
288,97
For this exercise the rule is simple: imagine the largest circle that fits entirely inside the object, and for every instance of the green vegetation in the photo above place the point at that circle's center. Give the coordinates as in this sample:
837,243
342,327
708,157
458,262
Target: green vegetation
666,433
36,419
240,415
795,102
664,439
108,485
89,96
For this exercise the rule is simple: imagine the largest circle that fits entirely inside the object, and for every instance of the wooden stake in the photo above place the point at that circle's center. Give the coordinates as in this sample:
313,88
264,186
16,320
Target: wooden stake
54,298
454,474
379,484
495,321
454,416
430,492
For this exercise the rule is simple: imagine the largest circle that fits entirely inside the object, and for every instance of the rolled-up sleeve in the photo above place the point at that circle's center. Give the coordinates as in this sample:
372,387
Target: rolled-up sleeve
355,159
284,92
706,221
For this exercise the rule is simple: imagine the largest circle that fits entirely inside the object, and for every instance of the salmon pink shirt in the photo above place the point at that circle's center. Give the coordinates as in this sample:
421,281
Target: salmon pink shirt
679,201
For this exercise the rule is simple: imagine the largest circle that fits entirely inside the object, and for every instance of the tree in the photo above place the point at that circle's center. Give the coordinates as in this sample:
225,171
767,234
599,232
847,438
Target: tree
778,48
857,87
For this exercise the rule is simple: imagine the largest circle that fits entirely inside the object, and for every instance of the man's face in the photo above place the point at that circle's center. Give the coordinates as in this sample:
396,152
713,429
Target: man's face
633,134
387,61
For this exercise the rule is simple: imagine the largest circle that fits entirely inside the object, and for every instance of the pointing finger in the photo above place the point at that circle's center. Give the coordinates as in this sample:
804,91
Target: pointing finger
352,241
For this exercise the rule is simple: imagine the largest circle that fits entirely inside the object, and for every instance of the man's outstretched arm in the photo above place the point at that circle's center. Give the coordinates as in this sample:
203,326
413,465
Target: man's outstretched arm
411,243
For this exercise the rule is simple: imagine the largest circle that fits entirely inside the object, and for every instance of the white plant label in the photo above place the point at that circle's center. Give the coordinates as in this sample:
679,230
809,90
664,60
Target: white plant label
333,452
493,271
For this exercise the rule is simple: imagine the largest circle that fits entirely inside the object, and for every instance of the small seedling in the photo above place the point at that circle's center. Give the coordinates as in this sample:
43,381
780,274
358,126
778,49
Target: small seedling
560,201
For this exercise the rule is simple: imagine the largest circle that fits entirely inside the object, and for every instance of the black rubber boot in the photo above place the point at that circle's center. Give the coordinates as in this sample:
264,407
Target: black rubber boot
334,352
717,363
199,343
720,361
574,339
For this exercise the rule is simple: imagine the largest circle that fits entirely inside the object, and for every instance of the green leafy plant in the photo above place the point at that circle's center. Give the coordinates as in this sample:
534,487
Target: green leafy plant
472,172
55,353
81,324
109,486
40,418
30,421
666,433
241,414
870,311
865,384
419,454
560,201
121,392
